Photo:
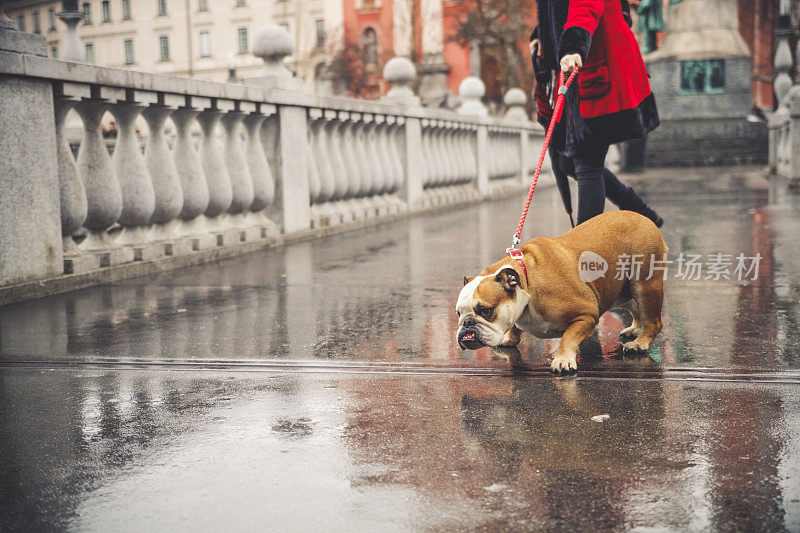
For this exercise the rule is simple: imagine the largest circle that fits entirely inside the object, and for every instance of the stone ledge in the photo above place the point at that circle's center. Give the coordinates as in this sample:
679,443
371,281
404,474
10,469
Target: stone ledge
69,282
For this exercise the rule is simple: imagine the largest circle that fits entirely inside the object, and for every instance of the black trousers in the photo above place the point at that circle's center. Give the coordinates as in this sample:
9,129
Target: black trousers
596,182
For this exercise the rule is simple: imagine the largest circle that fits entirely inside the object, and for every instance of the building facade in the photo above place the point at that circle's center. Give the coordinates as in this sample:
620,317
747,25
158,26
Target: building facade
193,38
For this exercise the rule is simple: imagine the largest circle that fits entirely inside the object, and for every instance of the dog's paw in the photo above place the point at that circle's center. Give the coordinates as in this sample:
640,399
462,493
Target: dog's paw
563,363
636,346
630,331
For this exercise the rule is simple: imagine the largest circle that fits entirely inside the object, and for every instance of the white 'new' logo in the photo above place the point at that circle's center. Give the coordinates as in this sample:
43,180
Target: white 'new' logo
591,266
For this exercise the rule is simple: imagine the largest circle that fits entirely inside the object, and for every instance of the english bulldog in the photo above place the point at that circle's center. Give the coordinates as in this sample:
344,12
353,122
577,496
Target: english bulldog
559,287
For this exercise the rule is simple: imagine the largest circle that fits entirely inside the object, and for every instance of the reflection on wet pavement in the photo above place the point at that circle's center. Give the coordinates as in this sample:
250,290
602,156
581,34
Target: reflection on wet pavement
142,450
319,386
387,294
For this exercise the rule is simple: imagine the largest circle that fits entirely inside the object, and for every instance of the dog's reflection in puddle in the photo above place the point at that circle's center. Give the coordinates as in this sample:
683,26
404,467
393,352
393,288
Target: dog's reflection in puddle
510,354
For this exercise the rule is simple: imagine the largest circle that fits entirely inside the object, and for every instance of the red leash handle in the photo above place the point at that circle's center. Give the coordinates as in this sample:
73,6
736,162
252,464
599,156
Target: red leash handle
559,104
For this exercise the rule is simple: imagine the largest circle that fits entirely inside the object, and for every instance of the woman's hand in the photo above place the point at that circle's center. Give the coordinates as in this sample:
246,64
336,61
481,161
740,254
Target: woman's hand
536,45
569,61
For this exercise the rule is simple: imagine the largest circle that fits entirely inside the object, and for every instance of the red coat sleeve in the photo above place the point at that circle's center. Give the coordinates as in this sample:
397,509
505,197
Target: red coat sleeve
582,20
584,14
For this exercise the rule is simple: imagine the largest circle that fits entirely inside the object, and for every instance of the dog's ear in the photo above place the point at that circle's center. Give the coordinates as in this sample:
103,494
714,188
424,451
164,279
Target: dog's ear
508,278
467,280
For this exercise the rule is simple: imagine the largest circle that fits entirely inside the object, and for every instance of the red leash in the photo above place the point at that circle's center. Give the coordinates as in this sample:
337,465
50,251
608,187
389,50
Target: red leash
514,251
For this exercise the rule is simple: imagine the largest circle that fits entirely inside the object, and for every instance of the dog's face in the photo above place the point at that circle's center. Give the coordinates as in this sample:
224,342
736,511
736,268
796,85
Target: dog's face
488,306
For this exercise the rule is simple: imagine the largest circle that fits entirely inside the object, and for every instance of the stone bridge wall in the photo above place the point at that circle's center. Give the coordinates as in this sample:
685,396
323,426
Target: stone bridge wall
203,170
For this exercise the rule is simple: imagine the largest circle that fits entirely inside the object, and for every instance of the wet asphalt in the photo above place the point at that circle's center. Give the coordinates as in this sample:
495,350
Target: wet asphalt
319,386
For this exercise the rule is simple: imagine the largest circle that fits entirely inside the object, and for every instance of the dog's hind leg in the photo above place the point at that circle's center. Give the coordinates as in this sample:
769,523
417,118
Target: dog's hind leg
648,295
635,328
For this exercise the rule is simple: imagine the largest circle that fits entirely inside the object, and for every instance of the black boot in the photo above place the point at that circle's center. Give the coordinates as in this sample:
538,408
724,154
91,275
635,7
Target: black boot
631,201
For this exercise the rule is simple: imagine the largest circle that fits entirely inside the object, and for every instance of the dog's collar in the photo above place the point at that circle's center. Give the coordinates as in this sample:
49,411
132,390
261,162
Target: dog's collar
516,254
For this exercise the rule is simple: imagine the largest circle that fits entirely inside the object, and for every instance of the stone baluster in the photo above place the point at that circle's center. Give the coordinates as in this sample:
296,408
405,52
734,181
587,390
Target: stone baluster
425,159
374,181
165,177
436,152
339,168
782,65
239,172
462,154
136,185
190,171
398,146
386,136
260,171
448,148
103,194
346,145
72,193
375,149
325,170
356,141
314,178
220,193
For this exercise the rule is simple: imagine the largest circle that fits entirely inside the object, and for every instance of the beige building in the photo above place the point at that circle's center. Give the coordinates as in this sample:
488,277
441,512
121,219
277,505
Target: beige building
194,38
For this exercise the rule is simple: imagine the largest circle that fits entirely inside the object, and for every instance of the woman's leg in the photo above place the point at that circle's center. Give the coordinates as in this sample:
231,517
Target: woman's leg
589,166
626,198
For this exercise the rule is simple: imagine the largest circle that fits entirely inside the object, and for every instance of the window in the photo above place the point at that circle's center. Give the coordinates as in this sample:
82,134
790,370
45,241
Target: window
242,38
205,43
37,27
320,25
51,17
106,10
703,77
163,45
126,9
128,47
54,52
369,49
240,3
21,22
285,26
89,48
202,5
87,13
161,7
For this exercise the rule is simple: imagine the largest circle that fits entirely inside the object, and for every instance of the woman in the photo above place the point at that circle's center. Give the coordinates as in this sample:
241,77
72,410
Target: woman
610,100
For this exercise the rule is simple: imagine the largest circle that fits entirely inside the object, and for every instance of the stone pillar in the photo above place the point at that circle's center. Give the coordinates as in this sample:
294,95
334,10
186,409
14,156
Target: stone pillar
703,125
292,196
411,189
515,101
433,69
482,155
471,91
30,218
400,72
273,44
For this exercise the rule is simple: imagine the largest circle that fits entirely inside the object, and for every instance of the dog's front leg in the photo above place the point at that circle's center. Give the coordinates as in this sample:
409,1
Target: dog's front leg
512,337
566,354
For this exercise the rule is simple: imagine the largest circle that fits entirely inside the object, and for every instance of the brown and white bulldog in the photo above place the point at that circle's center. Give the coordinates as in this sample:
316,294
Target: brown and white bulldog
614,260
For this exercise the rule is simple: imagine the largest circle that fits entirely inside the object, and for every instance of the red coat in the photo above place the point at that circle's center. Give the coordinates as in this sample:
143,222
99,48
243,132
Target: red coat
616,101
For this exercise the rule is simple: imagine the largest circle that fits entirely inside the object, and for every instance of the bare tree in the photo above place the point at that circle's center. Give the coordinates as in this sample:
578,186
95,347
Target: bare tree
500,28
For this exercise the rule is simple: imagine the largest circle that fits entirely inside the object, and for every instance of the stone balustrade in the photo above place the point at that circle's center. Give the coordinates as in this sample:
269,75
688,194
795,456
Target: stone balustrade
241,163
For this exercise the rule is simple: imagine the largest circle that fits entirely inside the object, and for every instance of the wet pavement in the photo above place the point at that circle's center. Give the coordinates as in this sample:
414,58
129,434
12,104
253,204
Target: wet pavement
319,386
